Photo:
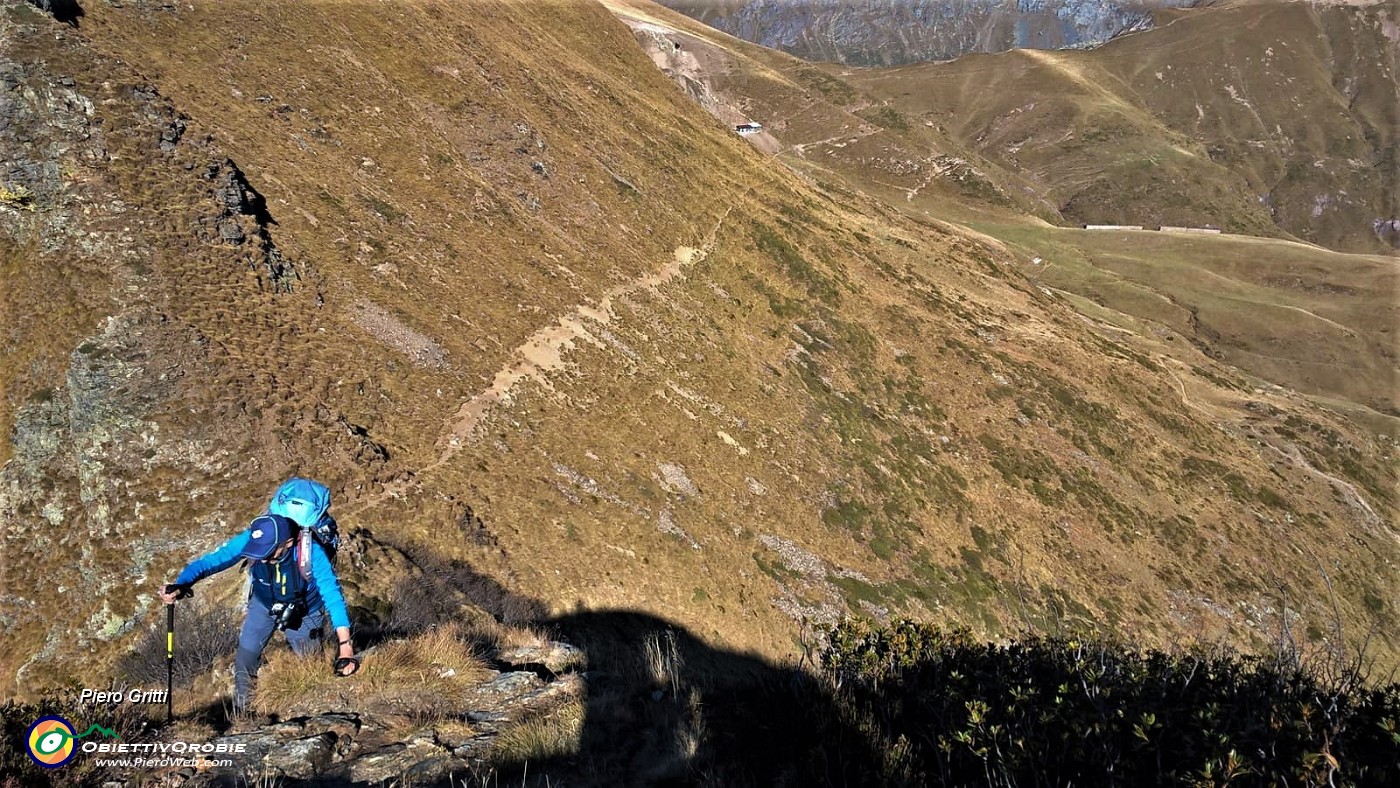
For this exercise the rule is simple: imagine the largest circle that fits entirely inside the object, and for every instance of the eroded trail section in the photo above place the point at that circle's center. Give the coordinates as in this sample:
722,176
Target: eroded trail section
541,354
544,351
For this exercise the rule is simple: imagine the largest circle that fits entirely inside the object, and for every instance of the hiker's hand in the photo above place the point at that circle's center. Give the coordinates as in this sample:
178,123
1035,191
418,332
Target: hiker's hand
348,663
346,666
173,591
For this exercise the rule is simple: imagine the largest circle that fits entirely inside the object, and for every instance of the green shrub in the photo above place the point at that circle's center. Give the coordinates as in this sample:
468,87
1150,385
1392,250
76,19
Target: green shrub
887,117
946,709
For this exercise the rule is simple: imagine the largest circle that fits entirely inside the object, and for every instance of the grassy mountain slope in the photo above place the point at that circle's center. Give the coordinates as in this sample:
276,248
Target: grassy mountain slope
532,308
811,116
1317,321
1238,117
1321,322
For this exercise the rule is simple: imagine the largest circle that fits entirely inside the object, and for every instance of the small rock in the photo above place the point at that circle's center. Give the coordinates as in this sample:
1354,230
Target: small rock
393,761
730,441
434,769
511,692
345,726
454,735
553,655
303,758
674,480
231,233
255,745
512,683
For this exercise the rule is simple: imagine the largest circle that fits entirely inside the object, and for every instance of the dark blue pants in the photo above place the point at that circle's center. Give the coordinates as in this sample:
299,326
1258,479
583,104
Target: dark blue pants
258,627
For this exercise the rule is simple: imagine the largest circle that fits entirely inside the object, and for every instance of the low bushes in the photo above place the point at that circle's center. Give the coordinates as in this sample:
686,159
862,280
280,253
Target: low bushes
942,708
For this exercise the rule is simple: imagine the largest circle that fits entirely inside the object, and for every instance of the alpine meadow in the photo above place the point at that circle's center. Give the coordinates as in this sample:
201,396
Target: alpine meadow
659,408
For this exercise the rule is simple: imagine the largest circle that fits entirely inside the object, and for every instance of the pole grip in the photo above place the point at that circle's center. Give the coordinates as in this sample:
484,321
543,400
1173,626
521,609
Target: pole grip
169,662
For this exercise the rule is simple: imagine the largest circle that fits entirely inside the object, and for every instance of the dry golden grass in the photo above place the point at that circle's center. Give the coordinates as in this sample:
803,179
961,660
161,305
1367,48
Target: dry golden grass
828,372
422,678
522,637
552,735
450,730
662,662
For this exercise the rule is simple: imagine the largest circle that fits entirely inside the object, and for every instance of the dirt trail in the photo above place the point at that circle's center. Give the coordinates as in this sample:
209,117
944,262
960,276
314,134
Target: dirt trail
934,170
1341,485
1315,316
1073,71
839,141
544,352
541,354
1184,399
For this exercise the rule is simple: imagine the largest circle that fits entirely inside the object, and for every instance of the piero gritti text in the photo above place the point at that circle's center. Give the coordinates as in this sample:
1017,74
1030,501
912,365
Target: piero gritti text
138,697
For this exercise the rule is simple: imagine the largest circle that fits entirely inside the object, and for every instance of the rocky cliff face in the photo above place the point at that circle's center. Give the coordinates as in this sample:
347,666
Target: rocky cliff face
895,32
138,239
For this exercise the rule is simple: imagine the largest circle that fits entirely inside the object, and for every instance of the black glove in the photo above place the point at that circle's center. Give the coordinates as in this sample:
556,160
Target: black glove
180,590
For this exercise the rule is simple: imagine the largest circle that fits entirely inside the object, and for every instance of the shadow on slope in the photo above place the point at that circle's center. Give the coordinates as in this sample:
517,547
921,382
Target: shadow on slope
660,704
664,707
66,11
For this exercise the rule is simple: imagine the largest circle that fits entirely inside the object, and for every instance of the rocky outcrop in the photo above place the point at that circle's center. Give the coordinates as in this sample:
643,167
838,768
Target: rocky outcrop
87,382
244,220
553,656
118,227
66,11
336,748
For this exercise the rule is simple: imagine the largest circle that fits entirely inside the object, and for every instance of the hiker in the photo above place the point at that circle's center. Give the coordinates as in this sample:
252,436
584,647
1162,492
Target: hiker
288,552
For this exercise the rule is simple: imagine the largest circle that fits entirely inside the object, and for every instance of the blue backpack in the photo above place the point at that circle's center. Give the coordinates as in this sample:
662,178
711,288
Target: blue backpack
307,503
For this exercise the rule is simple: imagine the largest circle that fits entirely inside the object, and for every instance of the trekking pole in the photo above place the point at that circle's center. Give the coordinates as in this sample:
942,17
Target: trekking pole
169,662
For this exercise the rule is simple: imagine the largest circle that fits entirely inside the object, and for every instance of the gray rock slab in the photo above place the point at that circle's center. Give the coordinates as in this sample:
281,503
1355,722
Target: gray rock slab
553,655
302,758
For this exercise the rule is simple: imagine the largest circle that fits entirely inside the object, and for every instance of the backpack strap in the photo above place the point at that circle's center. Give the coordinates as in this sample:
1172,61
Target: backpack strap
303,548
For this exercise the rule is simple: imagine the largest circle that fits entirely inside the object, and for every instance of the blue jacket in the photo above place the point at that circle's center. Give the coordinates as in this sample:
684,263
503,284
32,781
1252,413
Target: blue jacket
323,587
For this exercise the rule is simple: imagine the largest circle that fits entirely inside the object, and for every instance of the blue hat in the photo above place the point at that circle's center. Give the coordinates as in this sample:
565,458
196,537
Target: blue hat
264,534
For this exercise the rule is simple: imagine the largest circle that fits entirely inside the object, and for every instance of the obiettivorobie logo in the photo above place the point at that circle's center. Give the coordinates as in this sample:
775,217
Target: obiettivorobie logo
51,740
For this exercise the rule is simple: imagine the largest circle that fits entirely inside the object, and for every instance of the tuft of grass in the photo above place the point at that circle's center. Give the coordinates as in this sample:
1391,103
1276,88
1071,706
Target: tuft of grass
555,735
428,676
663,663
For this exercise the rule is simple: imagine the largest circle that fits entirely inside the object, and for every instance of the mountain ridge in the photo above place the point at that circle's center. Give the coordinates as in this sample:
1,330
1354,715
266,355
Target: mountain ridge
1299,132
896,32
